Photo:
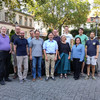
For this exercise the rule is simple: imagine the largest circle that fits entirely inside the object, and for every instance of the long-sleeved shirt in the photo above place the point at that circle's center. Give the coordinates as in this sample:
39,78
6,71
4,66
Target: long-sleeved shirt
78,52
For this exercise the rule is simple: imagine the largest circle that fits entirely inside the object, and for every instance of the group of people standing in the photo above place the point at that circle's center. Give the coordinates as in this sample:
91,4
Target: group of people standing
58,52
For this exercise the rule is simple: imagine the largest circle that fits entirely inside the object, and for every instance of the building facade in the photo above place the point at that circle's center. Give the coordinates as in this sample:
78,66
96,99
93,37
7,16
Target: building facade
25,21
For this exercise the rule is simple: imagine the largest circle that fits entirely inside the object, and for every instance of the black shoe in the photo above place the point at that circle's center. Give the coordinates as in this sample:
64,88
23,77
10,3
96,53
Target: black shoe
2,82
8,80
53,78
76,78
47,78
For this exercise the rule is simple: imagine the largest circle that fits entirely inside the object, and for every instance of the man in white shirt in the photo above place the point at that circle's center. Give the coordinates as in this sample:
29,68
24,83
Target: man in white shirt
68,36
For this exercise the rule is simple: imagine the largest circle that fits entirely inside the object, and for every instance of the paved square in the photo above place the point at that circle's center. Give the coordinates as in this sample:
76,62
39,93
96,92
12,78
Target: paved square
61,89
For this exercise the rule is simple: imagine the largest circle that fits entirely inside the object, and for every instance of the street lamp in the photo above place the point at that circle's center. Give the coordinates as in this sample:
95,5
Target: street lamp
97,21
16,23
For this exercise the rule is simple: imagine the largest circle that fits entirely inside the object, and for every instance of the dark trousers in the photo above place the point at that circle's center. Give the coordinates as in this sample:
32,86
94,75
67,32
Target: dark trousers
77,67
5,59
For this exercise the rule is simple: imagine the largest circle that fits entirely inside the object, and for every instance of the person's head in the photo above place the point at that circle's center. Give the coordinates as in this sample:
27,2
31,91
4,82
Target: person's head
55,32
66,29
37,34
3,30
63,38
81,30
92,35
22,33
17,30
50,36
77,40
32,33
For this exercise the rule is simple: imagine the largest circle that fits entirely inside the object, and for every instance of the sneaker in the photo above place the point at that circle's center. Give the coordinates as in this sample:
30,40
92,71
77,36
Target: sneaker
21,81
2,82
33,80
47,78
25,79
40,78
53,78
93,78
15,76
87,77
83,75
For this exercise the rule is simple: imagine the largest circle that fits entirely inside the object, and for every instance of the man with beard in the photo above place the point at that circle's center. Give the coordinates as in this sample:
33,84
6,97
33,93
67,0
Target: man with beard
92,53
21,50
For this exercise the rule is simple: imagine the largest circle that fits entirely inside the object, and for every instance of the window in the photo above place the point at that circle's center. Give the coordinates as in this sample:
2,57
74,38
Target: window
30,24
6,17
25,21
20,20
14,19
25,34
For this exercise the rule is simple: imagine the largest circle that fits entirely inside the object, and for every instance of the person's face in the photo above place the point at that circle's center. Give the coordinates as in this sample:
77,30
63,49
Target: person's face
55,33
78,41
22,34
80,31
32,34
92,35
17,29
3,30
66,29
37,34
51,36
63,38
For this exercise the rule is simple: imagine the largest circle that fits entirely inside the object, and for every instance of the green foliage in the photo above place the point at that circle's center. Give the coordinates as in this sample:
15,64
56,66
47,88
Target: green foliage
11,33
56,13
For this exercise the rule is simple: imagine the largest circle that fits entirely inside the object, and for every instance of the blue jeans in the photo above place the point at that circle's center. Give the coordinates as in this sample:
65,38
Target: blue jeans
34,62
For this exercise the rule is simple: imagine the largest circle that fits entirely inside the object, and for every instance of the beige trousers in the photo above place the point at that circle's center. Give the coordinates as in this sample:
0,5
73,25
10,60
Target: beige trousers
24,60
47,64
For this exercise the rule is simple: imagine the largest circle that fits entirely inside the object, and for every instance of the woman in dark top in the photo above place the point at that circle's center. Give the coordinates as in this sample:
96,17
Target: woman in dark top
63,64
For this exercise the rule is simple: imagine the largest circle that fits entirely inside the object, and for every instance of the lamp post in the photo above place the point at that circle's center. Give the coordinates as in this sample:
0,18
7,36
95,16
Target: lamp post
16,23
97,21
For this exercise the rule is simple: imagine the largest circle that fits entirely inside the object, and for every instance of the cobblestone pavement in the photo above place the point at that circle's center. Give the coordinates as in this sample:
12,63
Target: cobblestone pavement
61,89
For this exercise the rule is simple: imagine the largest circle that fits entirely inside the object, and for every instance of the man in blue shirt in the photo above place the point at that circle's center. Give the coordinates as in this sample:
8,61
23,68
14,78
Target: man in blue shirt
50,48
92,53
21,50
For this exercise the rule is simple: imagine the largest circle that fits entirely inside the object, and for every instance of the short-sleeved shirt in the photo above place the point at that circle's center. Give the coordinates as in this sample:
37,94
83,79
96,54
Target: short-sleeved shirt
83,38
92,47
37,46
21,44
14,37
69,37
64,48
50,46
4,43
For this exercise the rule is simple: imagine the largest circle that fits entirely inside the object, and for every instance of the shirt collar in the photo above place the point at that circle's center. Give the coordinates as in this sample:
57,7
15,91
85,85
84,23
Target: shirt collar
2,36
50,41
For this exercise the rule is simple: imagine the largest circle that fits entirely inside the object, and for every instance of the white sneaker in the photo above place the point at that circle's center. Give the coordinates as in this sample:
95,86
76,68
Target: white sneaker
21,81
94,78
87,77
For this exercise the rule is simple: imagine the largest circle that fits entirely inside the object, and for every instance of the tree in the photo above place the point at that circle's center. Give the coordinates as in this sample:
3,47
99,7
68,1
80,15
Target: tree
55,13
11,33
97,7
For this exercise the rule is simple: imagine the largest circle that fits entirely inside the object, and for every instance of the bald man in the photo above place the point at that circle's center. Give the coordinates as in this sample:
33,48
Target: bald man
13,38
21,51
